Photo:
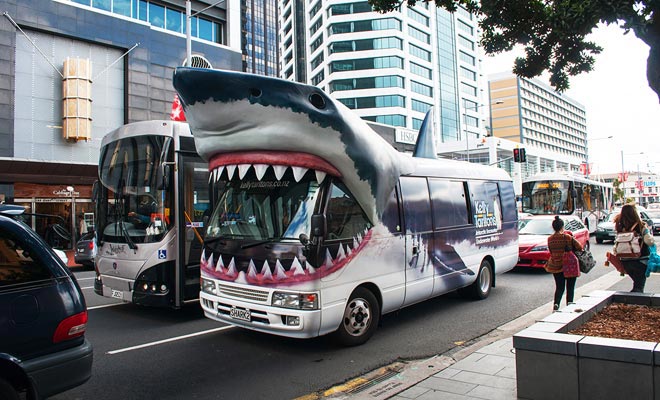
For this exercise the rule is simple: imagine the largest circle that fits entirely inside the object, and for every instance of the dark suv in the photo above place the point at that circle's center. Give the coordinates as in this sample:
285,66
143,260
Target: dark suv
43,317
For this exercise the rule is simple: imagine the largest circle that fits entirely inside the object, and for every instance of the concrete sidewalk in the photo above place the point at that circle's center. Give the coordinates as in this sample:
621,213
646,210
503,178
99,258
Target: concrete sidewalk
485,369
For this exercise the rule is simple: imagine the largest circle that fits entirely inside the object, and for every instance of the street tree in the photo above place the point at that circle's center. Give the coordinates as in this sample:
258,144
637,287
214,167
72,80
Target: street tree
553,33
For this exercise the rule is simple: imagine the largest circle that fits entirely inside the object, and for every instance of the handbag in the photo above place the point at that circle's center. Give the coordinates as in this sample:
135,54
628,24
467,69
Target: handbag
571,265
585,259
653,264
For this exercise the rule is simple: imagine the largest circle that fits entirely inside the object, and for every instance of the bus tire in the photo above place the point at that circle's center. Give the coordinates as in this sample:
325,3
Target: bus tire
360,320
480,289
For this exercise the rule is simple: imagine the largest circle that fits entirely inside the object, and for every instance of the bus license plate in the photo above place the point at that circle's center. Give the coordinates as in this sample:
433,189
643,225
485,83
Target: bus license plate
117,294
239,313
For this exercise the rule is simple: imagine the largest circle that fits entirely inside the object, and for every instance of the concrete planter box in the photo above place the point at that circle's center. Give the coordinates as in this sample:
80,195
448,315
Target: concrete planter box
552,364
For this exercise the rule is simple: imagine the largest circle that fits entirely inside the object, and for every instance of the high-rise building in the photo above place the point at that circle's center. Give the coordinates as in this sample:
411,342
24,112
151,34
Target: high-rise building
389,68
531,113
260,29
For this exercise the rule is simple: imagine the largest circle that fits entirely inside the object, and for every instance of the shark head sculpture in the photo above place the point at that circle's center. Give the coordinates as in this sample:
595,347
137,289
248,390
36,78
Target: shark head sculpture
241,119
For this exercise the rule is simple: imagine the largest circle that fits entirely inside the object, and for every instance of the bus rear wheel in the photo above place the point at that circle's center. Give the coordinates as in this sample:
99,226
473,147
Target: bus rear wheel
360,320
480,289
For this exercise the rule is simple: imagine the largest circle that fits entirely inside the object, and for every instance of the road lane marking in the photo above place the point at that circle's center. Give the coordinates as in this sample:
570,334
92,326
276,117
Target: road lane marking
87,287
85,279
158,342
105,305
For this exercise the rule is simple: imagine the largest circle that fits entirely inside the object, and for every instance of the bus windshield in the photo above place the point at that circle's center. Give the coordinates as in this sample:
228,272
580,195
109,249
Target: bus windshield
263,210
134,206
547,197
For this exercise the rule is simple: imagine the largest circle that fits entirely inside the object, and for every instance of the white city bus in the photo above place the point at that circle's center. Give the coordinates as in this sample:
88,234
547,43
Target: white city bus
152,196
320,225
567,194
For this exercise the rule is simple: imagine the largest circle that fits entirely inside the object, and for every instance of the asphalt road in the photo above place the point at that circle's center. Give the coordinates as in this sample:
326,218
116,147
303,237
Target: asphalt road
147,353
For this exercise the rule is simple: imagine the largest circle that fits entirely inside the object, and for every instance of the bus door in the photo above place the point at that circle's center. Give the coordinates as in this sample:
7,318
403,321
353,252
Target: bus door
194,210
419,238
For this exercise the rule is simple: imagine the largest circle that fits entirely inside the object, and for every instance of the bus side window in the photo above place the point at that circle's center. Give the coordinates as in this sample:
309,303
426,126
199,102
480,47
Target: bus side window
344,215
391,215
449,203
486,195
508,199
416,204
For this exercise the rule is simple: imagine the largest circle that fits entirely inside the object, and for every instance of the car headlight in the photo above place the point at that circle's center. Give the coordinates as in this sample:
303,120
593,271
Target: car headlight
299,301
539,248
208,286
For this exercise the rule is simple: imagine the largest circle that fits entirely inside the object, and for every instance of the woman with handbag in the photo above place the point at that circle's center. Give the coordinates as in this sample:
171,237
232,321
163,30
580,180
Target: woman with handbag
563,264
628,221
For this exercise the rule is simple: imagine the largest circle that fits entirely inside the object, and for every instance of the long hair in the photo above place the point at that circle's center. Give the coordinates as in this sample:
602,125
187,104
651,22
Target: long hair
627,218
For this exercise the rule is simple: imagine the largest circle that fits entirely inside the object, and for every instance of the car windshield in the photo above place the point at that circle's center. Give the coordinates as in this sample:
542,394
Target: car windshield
655,214
264,210
535,227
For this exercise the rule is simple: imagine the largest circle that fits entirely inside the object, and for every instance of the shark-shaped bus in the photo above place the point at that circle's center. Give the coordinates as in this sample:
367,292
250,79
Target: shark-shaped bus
319,225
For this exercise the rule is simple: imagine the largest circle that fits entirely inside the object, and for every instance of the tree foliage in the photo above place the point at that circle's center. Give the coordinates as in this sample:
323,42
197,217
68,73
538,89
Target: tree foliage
553,33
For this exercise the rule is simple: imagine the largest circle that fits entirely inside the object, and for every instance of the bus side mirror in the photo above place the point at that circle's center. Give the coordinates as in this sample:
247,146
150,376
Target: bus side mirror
318,225
95,191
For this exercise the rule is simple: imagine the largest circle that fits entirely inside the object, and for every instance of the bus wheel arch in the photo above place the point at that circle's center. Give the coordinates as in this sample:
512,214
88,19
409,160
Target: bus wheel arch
361,316
480,288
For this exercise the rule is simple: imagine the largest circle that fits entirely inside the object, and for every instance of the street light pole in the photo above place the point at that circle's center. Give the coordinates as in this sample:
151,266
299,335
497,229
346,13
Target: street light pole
467,138
73,215
189,16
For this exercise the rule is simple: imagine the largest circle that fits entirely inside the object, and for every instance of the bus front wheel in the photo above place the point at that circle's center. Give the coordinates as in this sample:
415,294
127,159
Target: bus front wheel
360,319
480,289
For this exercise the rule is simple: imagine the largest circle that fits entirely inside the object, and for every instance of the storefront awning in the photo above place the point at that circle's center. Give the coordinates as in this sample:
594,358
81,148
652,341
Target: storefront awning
31,171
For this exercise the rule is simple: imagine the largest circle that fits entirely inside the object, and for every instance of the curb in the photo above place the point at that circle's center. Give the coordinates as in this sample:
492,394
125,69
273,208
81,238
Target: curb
393,379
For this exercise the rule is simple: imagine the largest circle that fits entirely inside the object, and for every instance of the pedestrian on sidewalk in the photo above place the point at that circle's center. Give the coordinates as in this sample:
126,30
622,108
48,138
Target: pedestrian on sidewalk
628,220
559,243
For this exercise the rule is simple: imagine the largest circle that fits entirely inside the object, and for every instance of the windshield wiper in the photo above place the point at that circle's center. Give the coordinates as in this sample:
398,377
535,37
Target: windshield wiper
258,242
127,236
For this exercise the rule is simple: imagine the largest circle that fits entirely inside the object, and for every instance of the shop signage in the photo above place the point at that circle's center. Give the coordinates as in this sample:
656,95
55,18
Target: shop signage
407,136
64,192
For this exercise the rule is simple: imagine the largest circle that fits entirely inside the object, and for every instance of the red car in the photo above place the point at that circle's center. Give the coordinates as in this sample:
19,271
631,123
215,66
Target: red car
533,234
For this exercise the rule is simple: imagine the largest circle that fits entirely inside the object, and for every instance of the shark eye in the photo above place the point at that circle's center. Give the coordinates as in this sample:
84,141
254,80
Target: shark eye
317,101
254,92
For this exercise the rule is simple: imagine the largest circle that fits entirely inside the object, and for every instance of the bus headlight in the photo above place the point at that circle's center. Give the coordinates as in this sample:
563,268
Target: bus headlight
299,301
208,286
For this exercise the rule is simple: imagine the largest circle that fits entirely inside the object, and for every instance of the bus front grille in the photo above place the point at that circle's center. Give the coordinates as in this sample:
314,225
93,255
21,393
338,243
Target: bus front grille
243,293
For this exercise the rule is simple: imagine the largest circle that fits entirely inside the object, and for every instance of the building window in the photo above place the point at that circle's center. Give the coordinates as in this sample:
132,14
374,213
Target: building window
317,61
418,16
350,8
365,26
418,52
468,89
421,89
465,28
419,35
316,43
315,26
374,102
420,106
417,123
318,78
367,83
468,74
393,120
367,63
466,58
467,43
315,8
366,44
420,71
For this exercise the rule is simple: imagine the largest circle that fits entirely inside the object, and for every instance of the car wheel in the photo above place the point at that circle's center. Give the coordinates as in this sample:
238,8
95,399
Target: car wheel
480,289
360,319
599,240
7,391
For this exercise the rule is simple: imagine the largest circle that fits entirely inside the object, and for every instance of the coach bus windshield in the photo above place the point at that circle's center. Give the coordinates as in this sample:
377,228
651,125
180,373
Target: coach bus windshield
547,197
263,210
135,203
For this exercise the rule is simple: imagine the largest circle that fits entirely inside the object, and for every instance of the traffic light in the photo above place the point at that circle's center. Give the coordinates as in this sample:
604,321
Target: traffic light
519,155
523,156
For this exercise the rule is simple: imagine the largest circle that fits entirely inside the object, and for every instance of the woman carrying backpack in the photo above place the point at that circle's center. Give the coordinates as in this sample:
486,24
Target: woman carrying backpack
559,243
628,221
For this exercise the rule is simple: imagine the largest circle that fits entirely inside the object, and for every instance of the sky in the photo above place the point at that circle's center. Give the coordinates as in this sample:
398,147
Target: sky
618,103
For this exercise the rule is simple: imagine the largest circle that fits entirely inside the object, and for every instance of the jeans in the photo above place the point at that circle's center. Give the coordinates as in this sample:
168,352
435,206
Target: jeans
560,282
637,272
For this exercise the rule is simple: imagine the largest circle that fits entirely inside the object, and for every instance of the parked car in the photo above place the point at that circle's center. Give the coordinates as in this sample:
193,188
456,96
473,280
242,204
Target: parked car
43,316
605,229
86,249
533,235
654,214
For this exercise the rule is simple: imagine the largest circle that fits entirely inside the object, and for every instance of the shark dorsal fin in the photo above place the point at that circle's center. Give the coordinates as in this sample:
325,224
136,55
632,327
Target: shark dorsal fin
425,146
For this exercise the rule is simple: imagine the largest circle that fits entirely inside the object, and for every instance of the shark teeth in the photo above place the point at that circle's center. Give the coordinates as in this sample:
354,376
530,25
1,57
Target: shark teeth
260,170
299,270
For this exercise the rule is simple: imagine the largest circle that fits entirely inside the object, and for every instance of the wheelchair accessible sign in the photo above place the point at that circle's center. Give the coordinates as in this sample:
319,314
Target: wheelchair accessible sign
162,254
